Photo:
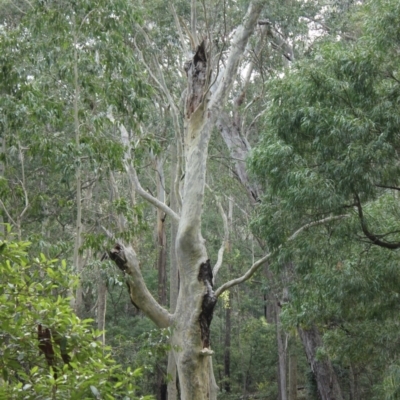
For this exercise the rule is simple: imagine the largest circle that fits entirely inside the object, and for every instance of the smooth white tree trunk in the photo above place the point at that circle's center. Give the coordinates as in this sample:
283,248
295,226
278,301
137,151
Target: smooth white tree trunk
190,321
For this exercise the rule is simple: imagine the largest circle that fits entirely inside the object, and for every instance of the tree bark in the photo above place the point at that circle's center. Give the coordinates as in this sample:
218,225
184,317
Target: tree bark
173,268
327,381
228,310
196,300
161,237
162,269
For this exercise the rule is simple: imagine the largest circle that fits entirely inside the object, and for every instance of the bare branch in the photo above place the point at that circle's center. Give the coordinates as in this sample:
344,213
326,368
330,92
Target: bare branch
221,250
134,180
316,223
8,215
237,49
26,202
164,89
244,277
388,187
126,260
277,40
149,70
262,260
179,28
225,240
19,9
147,196
193,23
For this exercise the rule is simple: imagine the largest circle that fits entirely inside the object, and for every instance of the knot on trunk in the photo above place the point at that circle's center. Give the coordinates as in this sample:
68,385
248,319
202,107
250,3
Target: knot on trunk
117,254
196,72
208,303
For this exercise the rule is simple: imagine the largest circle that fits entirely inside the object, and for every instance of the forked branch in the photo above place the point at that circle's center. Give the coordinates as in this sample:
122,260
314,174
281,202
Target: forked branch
239,43
134,180
147,196
225,240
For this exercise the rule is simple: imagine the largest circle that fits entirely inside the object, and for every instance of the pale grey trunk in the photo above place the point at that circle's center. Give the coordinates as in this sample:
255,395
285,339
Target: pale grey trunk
172,390
325,375
191,319
173,269
227,350
161,268
161,236
193,367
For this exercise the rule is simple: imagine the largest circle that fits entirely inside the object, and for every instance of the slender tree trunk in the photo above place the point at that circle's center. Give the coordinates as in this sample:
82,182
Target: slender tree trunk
162,269
269,299
227,349
172,390
293,374
327,381
2,173
354,395
161,237
78,230
282,356
228,310
101,309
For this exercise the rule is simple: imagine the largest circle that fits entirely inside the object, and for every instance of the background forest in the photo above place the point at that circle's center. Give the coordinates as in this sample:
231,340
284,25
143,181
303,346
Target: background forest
300,198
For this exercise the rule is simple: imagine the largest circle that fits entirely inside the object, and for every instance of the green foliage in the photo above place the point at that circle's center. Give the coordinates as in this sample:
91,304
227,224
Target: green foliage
333,123
331,137
33,294
60,57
